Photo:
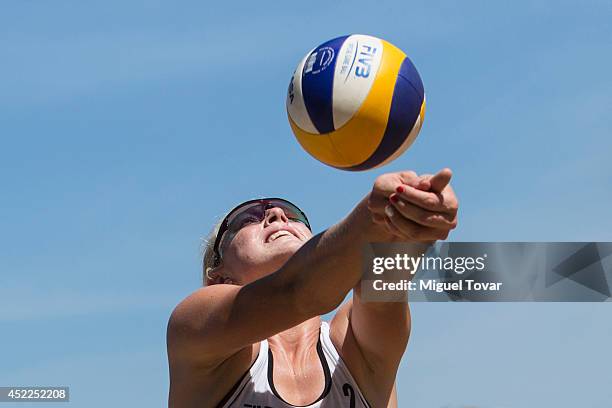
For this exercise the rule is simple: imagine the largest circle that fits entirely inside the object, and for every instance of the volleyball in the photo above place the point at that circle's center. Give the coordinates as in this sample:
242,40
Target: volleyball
356,102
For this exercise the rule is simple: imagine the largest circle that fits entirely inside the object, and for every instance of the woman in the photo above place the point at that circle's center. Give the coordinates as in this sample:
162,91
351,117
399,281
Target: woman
253,336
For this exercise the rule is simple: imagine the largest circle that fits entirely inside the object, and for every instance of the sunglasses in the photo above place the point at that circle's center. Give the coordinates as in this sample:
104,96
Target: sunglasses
252,212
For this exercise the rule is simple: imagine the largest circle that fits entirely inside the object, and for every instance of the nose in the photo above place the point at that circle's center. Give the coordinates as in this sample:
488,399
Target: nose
275,214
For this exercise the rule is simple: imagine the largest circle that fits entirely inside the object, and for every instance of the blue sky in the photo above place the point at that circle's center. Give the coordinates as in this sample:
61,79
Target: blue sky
127,128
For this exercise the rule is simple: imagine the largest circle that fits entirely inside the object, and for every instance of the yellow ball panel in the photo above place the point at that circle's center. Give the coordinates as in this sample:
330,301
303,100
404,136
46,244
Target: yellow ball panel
318,146
422,113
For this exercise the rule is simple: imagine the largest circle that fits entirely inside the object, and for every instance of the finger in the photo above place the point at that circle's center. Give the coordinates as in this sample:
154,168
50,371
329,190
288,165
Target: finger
393,230
422,216
390,227
413,231
377,203
378,219
429,200
386,184
440,180
409,177
424,183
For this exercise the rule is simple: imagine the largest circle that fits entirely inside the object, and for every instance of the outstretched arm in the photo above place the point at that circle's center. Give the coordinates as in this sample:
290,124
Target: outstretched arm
374,335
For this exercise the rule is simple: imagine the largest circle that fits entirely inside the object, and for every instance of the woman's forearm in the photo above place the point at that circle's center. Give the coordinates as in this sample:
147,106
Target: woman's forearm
329,265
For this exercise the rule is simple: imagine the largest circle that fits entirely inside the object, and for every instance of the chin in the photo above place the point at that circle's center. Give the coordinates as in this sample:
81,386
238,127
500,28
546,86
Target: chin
281,253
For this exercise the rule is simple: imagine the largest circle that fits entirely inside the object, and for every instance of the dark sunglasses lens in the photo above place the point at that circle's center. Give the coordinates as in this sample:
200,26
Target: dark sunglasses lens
290,210
243,217
250,213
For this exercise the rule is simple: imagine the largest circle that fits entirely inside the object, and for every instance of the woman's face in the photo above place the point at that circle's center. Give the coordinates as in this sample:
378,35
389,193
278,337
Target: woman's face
261,248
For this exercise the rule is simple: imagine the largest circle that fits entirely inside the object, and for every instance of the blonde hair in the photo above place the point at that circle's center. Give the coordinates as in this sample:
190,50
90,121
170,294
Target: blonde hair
208,249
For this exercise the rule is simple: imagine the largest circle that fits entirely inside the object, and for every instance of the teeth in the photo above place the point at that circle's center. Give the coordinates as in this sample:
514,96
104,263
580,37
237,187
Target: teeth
278,234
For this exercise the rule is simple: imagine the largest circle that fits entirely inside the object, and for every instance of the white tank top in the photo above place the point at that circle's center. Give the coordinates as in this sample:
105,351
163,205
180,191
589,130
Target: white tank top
256,389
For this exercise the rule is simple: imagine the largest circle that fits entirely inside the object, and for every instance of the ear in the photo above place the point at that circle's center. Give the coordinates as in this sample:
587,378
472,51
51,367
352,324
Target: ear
216,275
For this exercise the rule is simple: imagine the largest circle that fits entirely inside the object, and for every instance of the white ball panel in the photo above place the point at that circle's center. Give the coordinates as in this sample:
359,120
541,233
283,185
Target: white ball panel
356,68
295,100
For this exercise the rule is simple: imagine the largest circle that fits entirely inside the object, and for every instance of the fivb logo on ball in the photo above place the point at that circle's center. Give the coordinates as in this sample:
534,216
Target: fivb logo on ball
355,102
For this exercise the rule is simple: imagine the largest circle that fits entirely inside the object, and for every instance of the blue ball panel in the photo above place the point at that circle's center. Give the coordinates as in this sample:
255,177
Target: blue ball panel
410,74
318,84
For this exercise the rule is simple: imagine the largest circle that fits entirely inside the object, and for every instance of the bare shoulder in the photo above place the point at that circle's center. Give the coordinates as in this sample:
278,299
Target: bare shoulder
198,377
191,327
198,306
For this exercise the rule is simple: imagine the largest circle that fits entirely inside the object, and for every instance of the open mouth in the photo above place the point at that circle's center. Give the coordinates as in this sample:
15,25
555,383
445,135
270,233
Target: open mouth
278,234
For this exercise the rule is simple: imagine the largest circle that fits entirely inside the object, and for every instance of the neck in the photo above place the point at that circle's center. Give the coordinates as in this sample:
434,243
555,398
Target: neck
297,340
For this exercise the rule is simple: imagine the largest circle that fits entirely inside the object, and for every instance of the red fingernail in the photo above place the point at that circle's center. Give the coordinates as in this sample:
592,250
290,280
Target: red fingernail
394,198
400,189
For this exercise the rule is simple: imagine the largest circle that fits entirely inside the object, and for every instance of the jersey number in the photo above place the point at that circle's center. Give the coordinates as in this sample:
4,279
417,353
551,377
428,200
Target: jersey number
349,392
